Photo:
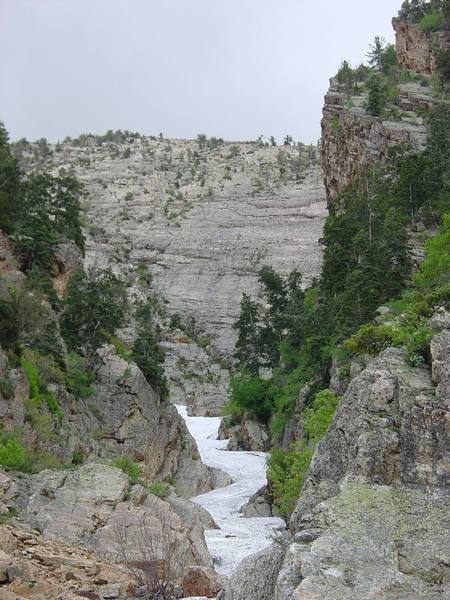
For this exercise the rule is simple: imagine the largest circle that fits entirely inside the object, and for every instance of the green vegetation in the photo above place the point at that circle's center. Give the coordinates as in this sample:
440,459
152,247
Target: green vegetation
126,464
13,454
420,10
95,305
146,352
41,371
78,378
158,488
293,333
287,470
431,21
251,395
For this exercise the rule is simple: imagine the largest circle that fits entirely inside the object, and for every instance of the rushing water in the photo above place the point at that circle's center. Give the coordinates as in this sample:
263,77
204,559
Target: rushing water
238,536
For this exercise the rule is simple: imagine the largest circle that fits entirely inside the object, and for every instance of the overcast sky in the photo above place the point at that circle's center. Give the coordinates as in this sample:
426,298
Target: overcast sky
230,68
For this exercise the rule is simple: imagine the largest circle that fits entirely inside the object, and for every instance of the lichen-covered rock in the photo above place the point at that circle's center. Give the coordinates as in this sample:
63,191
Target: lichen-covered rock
373,517
375,542
390,428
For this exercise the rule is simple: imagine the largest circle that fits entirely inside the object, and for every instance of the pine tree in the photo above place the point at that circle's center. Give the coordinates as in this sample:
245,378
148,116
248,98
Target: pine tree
9,182
247,326
95,305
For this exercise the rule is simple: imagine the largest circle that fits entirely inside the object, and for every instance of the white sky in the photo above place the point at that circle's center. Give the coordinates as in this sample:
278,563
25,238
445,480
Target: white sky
230,68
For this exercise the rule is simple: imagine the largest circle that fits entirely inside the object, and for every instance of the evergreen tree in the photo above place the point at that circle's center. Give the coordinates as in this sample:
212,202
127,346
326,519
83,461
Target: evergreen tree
147,352
9,182
377,95
247,347
95,305
46,210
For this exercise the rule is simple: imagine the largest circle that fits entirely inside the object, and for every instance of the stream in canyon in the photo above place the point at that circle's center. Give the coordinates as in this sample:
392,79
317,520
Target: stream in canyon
238,536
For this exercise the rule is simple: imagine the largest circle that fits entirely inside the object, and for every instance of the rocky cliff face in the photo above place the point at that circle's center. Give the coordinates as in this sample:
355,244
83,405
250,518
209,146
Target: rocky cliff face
373,516
201,220
352,138
416,49
197,221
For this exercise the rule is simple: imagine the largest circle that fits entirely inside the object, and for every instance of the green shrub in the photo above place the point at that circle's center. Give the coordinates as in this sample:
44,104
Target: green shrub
252,395
31,362
434,271
121,348
128,466
175,322
287,470
158,488
9,325
13,454
78,457
370,339
78,379
32,374
6,387
318,417
443,64
431,21
7,516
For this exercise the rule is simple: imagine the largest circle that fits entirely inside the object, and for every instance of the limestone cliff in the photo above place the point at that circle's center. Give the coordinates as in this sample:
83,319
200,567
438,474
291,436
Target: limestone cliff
417,49
197,222
352,138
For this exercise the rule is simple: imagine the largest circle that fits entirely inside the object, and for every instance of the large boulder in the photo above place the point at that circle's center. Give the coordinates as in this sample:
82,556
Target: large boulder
256,576
246,435
96,506
202,581
390,428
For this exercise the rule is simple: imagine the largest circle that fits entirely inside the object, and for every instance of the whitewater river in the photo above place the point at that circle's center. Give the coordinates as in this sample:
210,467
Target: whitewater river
237,537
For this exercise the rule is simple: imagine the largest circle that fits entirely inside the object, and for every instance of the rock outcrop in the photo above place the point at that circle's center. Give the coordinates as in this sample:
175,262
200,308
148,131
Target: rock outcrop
352,138
373,518
245,435
416,48
33,567
98,508
256,576
202,219
195,378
